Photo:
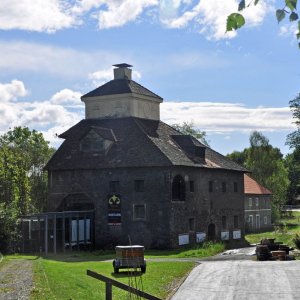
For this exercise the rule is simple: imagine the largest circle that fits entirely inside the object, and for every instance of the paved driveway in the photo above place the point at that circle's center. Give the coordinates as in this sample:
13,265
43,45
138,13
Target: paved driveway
242,279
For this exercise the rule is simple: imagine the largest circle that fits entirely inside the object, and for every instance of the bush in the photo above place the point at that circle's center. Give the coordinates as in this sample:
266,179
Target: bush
296,240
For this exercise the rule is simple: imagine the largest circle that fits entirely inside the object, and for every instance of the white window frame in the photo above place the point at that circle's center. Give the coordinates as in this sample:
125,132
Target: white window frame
265,220
257,221
250,202
256,201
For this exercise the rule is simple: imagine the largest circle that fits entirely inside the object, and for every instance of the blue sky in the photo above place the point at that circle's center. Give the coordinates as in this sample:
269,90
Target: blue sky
52,52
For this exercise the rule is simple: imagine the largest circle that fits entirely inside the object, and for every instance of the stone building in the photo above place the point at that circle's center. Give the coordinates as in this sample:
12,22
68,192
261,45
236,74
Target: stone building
258,200
144,182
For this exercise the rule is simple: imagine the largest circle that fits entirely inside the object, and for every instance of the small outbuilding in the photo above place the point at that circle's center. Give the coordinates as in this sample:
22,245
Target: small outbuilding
258,201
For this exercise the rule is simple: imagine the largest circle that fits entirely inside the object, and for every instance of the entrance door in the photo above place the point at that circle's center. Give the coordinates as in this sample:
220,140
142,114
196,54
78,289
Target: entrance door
211,232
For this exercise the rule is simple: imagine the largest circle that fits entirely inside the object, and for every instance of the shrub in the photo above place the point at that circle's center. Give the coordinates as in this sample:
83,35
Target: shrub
296,240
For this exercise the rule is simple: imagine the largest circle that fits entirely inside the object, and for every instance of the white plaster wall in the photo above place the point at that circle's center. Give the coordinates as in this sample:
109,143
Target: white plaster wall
125,105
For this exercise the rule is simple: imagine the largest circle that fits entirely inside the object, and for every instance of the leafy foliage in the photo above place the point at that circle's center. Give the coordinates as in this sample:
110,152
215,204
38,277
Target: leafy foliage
236,20
296,240
293,165
293,139
23,184
267,166
189,129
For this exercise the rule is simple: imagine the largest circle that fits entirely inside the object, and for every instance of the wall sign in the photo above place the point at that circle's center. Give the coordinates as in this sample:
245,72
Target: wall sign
114,209
236,234
225,235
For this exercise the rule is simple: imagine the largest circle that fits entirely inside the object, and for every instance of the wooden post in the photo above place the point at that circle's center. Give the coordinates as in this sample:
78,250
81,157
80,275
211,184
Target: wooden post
54,233
84,228
77,225
23,234
108,291
46,234
63,233
39,222
70,232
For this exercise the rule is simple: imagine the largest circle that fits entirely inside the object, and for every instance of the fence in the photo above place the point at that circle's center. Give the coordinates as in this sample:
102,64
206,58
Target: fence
109,283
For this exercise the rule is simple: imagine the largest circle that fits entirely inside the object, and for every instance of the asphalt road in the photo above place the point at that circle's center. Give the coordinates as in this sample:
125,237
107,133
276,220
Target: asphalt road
242,279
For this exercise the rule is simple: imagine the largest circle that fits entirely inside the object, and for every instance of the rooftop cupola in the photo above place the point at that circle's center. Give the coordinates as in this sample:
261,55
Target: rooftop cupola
121,97
122,71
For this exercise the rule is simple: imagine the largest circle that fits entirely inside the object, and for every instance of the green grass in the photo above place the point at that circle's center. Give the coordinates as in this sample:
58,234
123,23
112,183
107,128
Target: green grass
290,217
205,250
64,276
283,234
68,280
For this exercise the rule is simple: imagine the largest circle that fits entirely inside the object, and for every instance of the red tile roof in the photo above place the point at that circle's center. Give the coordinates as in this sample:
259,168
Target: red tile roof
253,187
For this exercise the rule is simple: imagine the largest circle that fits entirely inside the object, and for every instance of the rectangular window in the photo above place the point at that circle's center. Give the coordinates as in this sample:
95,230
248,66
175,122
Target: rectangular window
114,186
224,222
265,220
139,185
192,187
256,201
224,187
257,222
191,224
236,221
250,201
210,186
235,187
139,211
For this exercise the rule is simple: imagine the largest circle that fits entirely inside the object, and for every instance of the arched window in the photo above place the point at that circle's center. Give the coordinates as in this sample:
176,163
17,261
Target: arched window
178,188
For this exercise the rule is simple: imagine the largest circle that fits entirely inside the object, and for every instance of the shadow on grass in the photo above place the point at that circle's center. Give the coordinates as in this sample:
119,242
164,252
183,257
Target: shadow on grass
125,274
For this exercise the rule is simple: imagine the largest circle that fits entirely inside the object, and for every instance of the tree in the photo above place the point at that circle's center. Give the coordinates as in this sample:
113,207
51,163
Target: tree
267,166
293,139
23,184
293,165
189,129
238,157
237,20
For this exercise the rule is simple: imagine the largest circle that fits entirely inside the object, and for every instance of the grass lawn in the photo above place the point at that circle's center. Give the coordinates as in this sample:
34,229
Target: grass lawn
284,234
64,276
68,280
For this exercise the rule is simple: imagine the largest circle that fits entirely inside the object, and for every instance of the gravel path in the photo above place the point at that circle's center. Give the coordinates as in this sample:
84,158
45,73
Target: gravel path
16,280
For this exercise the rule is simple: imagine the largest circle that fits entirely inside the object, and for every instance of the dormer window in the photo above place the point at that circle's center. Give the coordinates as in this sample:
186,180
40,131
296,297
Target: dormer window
94,142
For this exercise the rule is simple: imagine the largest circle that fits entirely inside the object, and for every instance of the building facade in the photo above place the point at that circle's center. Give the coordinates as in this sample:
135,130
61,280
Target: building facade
258,201
145,182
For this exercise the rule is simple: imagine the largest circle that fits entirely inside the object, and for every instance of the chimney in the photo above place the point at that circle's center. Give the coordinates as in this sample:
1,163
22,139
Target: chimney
122,71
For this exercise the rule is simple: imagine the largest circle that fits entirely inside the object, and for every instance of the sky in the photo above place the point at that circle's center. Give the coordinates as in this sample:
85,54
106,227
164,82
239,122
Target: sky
228,84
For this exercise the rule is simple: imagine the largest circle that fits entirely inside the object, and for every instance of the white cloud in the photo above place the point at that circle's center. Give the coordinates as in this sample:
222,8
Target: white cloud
227,117
62,62
208,16
102,76
63,110
66,97
11,91
46,116
119,13
38,15
211,16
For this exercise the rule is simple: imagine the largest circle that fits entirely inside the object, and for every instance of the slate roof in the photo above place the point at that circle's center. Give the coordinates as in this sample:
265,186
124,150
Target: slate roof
252,187
138,143
120,86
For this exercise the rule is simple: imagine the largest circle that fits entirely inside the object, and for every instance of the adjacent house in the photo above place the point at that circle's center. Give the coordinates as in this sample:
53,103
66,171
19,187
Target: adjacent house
257,206
123,176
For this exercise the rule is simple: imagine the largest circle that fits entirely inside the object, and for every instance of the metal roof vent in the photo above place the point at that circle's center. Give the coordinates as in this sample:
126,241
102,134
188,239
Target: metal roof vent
122,71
